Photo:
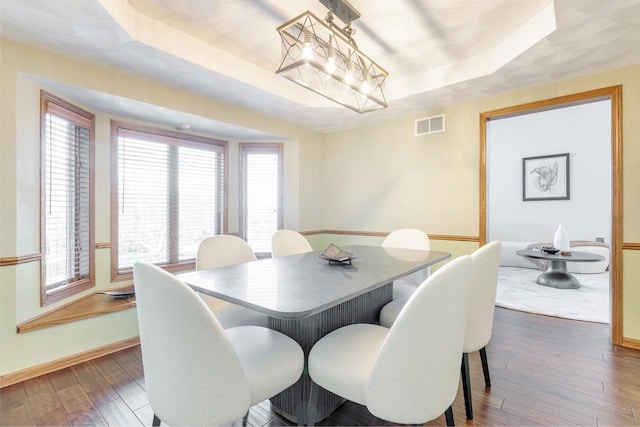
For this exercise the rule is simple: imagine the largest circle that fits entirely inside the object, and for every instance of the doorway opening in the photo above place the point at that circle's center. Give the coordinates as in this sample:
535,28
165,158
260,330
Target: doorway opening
495,228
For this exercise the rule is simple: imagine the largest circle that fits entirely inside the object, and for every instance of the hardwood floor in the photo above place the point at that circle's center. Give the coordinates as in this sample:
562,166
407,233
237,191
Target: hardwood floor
544,371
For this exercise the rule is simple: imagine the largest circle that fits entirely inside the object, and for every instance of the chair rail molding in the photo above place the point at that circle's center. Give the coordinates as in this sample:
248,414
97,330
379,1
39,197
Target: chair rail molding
19,259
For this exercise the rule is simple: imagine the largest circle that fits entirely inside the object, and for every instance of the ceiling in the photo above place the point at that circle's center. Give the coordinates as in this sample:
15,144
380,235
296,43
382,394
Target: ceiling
437,52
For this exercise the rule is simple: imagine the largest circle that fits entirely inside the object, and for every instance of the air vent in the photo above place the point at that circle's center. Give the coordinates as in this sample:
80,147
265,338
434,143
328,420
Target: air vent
429,125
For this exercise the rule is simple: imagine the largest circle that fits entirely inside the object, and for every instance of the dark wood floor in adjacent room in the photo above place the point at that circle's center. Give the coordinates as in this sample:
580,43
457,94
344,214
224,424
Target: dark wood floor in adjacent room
545,371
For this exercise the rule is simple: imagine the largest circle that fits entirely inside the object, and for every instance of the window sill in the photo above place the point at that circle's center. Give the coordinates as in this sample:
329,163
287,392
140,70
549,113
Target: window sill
88,306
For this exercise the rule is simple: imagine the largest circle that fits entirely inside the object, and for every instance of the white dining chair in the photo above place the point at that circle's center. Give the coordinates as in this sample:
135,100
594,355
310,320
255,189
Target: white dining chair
196,373
289,242
409,373
408,238
486,263
484,282
220,251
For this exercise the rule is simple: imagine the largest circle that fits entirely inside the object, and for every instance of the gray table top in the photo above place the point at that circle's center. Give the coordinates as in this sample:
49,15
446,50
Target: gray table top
574,257
298,286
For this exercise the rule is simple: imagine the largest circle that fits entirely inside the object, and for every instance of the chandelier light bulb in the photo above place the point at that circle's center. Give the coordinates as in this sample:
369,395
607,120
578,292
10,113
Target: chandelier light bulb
331,65
349,77
307,51
364,88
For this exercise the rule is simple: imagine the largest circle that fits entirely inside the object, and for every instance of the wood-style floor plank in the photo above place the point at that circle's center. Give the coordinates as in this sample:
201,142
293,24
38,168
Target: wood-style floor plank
112,371
124,384
544,371
45,403
145,415
129,361
540,414
81,410
516,393
133,395
15,409
62,379
117,413
94,384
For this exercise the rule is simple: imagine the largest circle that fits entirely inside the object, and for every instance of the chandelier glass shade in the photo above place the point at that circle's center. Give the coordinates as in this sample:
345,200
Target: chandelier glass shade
325,59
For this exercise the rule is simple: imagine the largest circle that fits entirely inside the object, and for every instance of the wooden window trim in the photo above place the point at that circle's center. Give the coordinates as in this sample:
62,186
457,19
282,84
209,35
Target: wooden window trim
50,103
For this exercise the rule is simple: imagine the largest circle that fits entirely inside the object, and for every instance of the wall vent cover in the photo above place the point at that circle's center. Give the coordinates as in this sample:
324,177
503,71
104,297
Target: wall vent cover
433,124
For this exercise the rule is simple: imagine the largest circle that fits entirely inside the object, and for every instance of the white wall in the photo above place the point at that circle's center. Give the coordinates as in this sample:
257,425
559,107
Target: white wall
584,131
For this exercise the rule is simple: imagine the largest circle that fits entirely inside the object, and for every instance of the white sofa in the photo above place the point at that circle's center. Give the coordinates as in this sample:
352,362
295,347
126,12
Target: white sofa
509,258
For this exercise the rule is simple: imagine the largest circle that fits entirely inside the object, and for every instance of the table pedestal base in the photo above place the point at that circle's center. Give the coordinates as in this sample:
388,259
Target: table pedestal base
558,277
292,403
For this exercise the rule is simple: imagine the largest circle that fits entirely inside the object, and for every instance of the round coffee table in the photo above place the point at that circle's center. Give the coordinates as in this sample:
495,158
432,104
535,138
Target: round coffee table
556,275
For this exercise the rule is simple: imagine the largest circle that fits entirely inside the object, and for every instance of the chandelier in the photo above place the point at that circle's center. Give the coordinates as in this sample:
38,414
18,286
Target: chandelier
324,58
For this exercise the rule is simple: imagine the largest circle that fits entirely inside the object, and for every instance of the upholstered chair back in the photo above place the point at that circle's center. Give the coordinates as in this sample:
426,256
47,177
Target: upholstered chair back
289,242
417,371
486,262
193,375
222,250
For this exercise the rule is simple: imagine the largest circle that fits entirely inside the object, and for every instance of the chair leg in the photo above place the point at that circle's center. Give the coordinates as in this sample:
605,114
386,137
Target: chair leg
485,366
156,421
448,415
245,419
466,385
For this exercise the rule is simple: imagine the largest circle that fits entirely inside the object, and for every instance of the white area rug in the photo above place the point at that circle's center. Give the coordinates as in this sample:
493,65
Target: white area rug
517,289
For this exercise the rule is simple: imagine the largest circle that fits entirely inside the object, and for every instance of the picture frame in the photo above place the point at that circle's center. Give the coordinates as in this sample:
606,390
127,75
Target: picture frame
546,177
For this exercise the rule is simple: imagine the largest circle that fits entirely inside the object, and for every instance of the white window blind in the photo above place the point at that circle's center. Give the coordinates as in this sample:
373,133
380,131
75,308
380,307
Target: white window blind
200,198
170,196
67,201
262,194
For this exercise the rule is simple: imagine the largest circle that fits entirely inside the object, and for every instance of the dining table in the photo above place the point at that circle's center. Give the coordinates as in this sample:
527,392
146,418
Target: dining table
306,297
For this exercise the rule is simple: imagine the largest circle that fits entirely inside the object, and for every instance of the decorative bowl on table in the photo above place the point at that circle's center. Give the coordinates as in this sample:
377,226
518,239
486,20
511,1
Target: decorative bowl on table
335,254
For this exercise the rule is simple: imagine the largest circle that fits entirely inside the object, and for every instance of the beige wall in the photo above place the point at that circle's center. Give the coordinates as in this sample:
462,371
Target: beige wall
382,177
631,295
374,178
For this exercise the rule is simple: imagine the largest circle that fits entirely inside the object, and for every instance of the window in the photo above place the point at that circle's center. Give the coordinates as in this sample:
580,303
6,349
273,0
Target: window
168,195
67,245
261,194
